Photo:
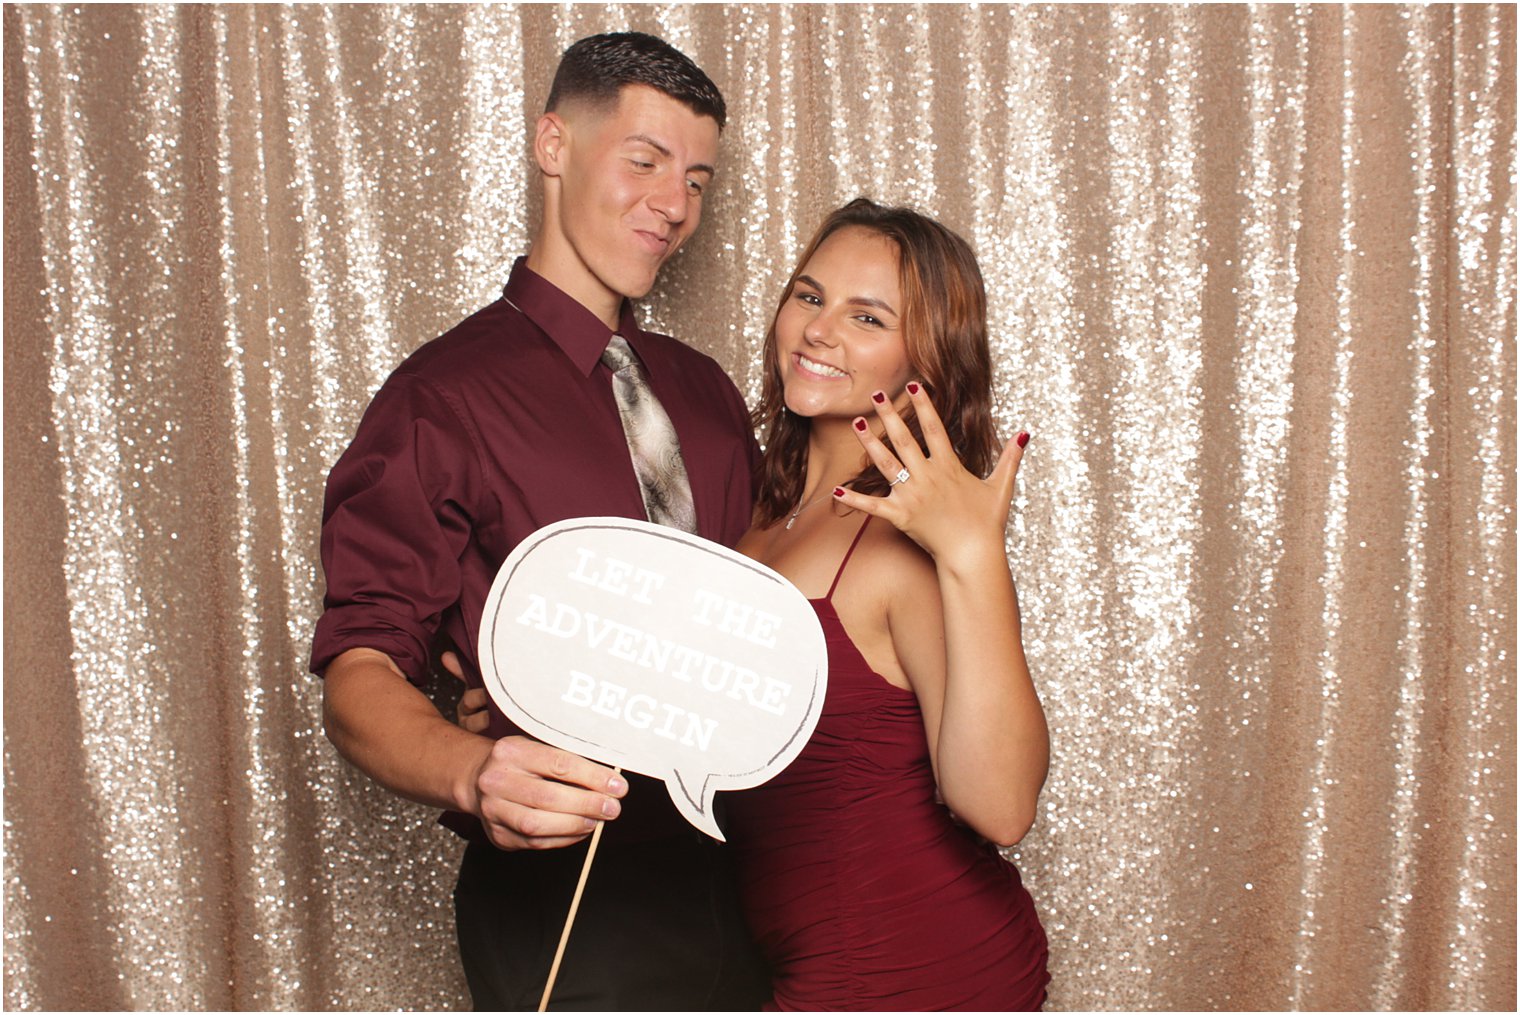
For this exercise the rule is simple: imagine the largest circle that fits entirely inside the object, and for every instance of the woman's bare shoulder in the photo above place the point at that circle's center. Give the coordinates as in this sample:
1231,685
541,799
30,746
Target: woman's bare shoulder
893,566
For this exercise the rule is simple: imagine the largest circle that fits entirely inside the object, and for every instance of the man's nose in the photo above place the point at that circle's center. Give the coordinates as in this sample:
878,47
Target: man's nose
671,200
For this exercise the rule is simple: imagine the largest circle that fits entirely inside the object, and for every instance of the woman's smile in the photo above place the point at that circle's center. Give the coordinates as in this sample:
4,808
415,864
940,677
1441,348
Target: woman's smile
818,369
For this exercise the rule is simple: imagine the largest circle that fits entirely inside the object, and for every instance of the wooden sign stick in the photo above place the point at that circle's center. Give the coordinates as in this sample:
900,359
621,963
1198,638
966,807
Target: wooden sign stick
575,904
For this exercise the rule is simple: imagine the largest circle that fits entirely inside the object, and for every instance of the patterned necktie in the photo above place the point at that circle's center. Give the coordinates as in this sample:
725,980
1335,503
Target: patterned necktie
652,441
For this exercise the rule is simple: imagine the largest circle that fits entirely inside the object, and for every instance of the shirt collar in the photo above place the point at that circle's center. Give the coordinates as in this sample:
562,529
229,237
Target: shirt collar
577,331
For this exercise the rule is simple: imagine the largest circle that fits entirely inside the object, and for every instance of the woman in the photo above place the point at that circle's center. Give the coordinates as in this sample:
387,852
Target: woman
862,888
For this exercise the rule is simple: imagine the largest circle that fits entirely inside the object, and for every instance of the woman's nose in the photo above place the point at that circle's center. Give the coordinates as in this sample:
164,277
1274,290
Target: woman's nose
819,330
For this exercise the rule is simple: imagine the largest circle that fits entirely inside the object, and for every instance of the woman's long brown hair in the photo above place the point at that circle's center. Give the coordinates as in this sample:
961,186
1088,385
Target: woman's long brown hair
945,330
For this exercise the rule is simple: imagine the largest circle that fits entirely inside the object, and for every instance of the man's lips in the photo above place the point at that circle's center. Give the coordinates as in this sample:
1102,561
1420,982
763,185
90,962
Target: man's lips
655,243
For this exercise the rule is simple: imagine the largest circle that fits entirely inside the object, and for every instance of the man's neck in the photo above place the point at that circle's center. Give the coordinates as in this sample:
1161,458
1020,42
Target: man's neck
607,306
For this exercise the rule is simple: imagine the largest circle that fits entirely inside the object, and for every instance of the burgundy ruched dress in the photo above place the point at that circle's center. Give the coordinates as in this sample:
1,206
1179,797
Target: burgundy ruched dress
858,886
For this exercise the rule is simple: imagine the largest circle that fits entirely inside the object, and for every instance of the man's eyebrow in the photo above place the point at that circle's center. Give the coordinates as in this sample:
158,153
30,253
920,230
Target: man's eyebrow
645,139
860,301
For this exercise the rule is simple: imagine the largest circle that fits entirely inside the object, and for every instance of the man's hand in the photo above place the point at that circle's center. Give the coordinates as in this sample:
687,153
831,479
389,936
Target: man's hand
527,795
533,796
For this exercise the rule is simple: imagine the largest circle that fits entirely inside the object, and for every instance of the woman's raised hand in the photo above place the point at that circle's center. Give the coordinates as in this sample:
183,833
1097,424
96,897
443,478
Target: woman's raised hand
944,508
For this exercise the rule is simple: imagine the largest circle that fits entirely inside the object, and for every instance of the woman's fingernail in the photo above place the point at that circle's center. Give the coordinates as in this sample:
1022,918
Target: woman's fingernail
611,808
1023,439
617,785
838,491
879,397
912,387
860,424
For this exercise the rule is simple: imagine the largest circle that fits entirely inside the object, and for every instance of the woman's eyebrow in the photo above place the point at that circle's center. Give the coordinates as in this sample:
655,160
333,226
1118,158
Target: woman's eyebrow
859,301
872,301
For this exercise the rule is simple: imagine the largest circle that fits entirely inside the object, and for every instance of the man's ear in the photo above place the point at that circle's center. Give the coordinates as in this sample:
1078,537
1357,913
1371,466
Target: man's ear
549,142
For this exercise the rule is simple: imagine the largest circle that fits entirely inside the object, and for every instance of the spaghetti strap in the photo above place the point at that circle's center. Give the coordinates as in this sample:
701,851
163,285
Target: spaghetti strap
847,554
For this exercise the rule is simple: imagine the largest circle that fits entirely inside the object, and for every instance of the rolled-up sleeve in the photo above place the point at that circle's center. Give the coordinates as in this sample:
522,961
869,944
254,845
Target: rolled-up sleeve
395,524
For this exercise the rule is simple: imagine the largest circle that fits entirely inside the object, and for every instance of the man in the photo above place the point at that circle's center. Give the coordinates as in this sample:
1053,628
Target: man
504,424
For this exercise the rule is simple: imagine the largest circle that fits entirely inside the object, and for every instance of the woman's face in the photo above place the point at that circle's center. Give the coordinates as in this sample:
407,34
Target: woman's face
839,335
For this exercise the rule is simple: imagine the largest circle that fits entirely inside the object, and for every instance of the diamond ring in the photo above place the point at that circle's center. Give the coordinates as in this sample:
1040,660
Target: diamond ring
901,477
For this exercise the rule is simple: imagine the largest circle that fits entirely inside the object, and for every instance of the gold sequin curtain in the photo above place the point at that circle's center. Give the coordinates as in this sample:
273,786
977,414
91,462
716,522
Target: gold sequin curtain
1252,279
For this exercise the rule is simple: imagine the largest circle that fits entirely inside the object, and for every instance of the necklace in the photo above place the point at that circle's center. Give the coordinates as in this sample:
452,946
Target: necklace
803,507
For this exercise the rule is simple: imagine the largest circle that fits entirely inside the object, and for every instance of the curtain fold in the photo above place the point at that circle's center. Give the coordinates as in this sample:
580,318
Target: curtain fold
1251,277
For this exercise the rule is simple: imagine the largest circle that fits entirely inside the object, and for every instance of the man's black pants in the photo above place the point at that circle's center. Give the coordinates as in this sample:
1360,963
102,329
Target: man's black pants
659,928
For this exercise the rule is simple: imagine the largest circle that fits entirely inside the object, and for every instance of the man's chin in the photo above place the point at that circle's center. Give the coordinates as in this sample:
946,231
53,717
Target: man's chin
638,288
634,277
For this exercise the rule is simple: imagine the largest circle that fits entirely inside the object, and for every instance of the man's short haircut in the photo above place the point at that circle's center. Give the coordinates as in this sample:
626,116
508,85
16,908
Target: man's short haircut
595,69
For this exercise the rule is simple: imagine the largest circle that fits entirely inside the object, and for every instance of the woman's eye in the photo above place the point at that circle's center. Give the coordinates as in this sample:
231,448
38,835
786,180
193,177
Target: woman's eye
694,187
811,299
868,319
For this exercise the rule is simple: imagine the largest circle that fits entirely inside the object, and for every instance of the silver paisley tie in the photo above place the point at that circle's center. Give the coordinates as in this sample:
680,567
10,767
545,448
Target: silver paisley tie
652,441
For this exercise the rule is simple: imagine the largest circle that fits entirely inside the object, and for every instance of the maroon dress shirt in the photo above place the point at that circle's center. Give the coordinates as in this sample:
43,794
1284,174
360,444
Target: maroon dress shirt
496,428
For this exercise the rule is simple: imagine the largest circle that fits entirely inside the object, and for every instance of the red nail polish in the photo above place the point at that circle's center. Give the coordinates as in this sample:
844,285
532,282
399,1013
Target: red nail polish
860,425
879,397
1023,439
838,491
912,387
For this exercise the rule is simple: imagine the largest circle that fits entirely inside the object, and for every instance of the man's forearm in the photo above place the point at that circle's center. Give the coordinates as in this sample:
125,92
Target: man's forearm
389,730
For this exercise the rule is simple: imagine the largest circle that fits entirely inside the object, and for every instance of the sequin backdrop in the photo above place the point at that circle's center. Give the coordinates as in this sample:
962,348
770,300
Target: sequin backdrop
1252,285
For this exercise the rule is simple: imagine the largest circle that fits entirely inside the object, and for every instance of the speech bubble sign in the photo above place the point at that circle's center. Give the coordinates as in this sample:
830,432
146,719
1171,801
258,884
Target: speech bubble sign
659,652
